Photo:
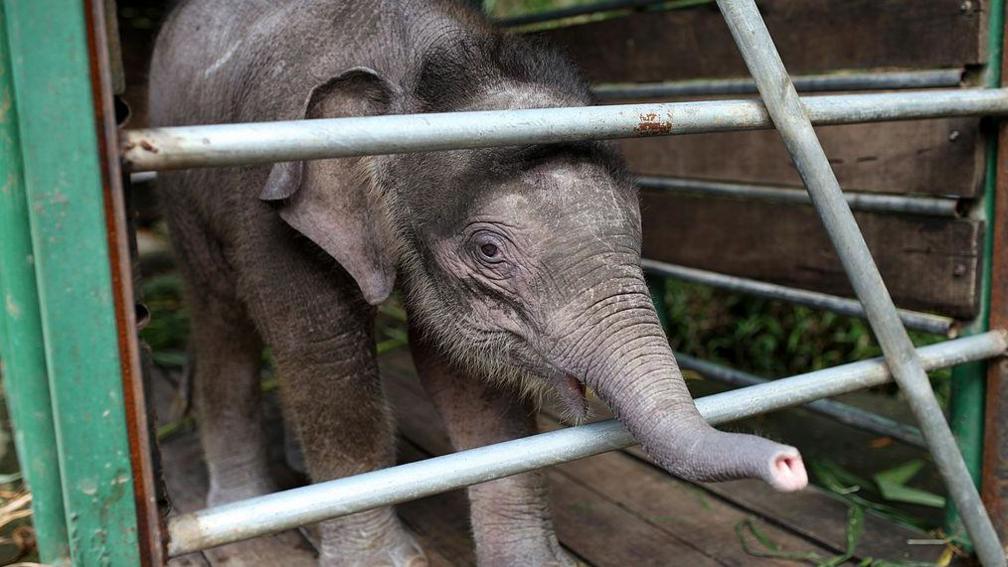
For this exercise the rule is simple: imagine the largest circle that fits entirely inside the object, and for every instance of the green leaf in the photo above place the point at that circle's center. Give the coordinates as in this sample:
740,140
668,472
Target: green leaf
836,478
170,358
892,485
900,474
909,495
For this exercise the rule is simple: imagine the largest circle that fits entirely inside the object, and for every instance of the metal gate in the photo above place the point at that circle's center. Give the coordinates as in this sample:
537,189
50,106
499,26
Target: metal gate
78,403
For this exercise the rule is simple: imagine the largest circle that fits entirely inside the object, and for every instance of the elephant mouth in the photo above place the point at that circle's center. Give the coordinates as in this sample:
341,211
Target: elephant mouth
571,394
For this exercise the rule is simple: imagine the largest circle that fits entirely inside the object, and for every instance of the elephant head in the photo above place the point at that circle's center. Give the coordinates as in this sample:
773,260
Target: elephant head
522,262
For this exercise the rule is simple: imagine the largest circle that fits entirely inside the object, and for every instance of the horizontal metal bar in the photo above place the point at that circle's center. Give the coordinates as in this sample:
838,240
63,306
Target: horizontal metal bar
850,307
854,81
263,142
843,413
284,510
572,11
904,204
143,177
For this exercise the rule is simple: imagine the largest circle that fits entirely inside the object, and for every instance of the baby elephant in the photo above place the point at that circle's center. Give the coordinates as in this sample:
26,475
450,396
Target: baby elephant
519,266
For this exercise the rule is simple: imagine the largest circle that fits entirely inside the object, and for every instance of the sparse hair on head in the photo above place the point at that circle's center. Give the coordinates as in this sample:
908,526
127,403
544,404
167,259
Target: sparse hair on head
461,67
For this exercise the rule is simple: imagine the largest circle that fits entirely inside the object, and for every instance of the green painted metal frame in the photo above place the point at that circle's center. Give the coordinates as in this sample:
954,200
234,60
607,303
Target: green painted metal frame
62,165
968,388
21,352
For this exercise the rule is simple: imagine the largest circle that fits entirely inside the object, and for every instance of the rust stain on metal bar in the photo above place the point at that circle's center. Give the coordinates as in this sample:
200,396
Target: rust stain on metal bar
650,125
149,522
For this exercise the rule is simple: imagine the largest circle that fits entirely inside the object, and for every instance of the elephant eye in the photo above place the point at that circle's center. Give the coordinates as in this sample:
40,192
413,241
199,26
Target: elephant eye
489,250
488,247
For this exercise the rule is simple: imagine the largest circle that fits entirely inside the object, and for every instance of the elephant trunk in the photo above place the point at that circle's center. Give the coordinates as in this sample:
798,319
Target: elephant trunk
631,367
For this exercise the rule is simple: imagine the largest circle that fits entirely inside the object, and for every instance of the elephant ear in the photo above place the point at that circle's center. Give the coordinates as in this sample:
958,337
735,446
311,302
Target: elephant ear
334,201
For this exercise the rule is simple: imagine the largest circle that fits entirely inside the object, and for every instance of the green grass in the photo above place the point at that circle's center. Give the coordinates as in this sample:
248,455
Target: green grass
771,338
168,329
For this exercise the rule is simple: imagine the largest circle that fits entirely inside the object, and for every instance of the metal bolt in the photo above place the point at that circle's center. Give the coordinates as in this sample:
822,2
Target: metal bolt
959,270
953,135
966,6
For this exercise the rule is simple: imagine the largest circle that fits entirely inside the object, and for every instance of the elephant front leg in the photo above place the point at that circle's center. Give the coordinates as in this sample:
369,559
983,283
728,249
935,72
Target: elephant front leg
511,520
333,398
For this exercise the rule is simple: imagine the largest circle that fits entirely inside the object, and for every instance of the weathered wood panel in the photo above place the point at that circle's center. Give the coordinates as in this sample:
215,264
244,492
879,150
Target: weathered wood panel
935,157
812,36
927,263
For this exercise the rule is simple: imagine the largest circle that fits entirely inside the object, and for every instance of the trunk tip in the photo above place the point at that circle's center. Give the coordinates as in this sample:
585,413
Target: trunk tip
787,471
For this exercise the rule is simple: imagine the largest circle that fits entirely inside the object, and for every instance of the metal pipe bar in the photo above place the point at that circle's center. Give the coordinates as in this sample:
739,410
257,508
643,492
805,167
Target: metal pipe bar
869,202
782,102
879,80
562,13
143,177
843,413
852,308
291,508
263,142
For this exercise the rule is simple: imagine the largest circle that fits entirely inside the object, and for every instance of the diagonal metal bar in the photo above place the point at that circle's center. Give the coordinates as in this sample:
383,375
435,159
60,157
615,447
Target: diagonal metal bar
789,116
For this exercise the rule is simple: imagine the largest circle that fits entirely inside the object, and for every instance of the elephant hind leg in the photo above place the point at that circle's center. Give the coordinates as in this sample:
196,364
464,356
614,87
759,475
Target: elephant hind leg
225,345
228,400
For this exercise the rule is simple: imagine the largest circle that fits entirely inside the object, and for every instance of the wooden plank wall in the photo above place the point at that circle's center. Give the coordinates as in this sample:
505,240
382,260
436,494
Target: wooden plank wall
813,36
929,263
788,245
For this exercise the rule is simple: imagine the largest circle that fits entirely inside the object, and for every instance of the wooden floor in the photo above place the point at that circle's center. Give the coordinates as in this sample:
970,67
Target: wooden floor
614,509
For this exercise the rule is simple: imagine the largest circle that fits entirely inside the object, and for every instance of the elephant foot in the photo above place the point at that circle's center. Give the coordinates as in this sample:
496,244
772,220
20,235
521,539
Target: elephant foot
235,486
239,476
217,496
369,539
549,555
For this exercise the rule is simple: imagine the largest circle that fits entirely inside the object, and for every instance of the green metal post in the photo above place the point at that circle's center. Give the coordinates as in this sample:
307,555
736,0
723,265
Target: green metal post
61,159
966,407
21,352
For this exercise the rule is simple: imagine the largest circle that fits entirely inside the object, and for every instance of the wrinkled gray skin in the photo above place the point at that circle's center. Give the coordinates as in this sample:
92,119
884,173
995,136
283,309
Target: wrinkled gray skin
519,266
